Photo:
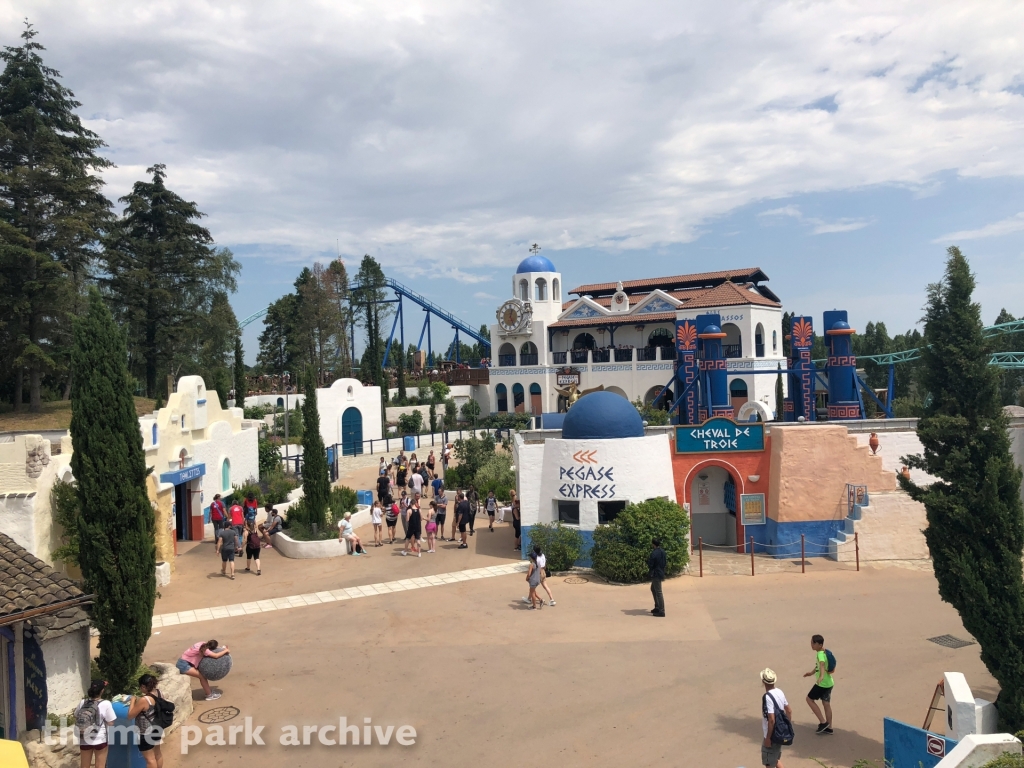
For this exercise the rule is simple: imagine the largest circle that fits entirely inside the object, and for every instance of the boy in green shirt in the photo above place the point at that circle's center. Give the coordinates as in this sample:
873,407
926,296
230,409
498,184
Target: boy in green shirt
823,684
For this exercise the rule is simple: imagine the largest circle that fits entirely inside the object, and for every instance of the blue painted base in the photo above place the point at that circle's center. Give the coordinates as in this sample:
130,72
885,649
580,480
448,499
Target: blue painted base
907,746
782,540
583,562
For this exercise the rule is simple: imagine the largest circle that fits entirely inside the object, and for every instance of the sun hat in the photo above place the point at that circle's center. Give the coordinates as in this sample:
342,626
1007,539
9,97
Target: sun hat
768,676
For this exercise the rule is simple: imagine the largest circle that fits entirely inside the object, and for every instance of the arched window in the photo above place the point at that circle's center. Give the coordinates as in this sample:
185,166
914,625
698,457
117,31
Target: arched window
732,344
536,401
556,290
737,392
501,395
280,402
759,341
182,456
541,289
528,354
524,290
225,476
775,341
518,398
507,354
154,435
583,341
183,422
661,337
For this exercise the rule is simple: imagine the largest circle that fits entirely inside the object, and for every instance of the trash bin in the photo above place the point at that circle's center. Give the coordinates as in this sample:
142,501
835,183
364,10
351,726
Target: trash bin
409,443
364,497
120,754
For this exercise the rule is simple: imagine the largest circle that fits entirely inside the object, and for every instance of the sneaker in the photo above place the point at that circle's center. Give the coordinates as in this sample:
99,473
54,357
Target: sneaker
551,602
526,600
419,554
213,696
404,553
821,727
357,554
828,731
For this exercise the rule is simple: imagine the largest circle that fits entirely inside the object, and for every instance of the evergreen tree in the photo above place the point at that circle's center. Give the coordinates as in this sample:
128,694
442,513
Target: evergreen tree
241,388
369,295
51,215
117,553
316,482
221,382
397,352
433,416
780,398
162,272
975,521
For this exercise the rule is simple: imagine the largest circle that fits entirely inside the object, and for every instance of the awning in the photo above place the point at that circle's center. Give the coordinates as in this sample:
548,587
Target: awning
179,476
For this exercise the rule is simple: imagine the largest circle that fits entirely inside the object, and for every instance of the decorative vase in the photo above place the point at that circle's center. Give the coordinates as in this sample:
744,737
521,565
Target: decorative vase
905,471
873,443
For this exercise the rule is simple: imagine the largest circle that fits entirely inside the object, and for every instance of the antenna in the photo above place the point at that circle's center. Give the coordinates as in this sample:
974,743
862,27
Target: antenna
535,249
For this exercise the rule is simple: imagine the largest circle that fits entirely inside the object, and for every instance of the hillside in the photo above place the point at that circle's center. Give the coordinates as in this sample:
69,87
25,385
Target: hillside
55,415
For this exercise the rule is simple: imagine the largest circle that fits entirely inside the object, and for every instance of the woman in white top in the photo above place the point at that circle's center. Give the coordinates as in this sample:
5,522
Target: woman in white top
376,512
542,561
92,716
345,533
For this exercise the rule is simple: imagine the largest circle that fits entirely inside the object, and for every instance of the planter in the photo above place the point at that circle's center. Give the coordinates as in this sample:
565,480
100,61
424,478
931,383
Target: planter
873,443
314,550
163,574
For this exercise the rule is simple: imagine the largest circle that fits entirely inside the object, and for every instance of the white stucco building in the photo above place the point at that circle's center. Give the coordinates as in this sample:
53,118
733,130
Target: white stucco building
28,469
349,414
622,335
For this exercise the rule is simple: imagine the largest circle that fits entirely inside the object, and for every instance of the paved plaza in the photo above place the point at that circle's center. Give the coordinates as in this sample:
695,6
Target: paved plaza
444,644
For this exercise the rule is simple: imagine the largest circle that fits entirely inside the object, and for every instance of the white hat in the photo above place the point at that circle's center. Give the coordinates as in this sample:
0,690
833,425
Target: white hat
768,676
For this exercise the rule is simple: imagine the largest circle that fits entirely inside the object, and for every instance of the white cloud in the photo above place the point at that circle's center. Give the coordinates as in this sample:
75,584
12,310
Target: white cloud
448,134
995,229
818,226
484,296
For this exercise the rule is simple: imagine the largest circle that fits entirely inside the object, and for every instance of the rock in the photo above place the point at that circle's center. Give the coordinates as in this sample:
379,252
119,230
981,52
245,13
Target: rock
41,756
215,669
177,689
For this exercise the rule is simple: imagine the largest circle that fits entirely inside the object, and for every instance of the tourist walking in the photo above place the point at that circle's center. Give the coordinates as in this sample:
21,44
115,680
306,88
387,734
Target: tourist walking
188,664
250,507
237,515
431,527
218,515
383,468
376,513
533,579
416,480
272,526
431,462
542,564
252,546
474,502
441,504
773,707
383,488
403,507
656,563
229,541
92,716
414,529
348,536
492,510
391,518
437,484
516,526
401,473
143,709
823,685
463,513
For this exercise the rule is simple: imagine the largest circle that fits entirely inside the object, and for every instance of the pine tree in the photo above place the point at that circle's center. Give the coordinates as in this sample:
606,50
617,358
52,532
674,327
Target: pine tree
780,398
161,271
51,213
402,397
975,521
316,482
241,389
117,552
221,384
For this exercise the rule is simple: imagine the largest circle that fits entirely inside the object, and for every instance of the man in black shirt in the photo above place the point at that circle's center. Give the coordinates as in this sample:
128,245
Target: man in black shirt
383,488
656,563
463,513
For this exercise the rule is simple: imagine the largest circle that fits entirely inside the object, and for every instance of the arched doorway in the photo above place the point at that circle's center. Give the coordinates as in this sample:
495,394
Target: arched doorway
732,344
351,432
528,353
583,341
738,393
661,337
536,404
659,397
713,501
518,398
501,395
507,355
759,341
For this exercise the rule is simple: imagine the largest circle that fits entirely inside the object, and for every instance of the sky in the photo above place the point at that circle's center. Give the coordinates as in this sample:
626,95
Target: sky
839,146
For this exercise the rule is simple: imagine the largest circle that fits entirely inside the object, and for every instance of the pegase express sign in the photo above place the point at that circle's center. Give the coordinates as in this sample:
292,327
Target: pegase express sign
720,435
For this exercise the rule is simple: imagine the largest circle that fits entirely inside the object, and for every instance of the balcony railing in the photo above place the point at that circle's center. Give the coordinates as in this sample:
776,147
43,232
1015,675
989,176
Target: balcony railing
528,359
623,355
558,358
579,355
506,360
647,353
601,356
732,350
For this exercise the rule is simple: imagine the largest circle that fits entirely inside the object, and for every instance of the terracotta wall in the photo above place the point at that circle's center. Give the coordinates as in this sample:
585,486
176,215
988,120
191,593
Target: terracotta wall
810,467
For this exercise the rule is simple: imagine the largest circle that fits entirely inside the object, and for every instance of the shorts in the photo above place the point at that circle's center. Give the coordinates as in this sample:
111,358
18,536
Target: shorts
90,747
770,756
440,521
252,554
148,741
431,527
183,666
227,555
462,526
820,694
490,513
392,522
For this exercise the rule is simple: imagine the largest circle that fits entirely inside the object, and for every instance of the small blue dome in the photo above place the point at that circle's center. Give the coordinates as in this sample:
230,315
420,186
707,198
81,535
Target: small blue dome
711,329
602,416
536,263
840,325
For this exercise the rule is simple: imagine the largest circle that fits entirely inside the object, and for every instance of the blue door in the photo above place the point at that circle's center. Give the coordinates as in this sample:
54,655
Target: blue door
351,432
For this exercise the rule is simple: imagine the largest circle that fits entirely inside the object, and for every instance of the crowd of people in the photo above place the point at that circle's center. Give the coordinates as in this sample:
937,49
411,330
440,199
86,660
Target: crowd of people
236,529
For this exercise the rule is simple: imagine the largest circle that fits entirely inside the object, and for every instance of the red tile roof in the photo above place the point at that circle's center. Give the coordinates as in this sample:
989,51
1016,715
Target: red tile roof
728,295
699,279
616,319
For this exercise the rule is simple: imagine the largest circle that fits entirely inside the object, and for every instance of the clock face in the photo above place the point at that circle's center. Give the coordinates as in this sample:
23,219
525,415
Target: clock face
510,315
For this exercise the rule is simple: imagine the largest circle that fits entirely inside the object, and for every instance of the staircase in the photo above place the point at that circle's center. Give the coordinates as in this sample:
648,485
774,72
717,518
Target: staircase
841,547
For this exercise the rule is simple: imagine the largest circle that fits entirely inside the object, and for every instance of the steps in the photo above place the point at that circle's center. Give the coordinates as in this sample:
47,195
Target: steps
841,547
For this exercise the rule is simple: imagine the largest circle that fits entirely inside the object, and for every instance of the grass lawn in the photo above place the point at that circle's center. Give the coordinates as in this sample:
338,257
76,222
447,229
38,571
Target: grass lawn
54,415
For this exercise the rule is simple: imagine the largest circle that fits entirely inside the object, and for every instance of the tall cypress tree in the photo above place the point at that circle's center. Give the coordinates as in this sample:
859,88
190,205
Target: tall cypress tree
316,481
117,552
398,354
780,399
51,214
241,391
975,521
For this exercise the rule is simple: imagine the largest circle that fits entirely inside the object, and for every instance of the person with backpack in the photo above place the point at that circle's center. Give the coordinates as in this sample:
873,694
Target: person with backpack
776,721
253,545
229,541
250,508
188,664
824,666
237,516
153,716
92,716
391,517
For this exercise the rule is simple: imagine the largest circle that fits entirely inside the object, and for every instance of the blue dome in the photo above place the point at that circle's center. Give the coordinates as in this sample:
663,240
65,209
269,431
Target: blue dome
536,263
602,416
711,329
840,325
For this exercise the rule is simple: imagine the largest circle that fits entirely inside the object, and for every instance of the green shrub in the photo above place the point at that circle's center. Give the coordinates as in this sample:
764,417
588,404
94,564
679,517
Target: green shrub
1006,761
622,547
241,493
496,475
300,528
66,512
561,545
278,486
655,417
343,499
410,423
269,457
256,412
505,421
